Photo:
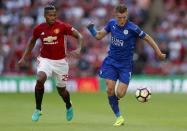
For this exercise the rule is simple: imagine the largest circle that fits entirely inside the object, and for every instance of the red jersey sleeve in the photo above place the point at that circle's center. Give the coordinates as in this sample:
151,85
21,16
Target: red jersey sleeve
36,31
68,29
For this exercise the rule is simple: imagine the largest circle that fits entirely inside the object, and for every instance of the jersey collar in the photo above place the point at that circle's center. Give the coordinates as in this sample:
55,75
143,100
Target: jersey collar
116,24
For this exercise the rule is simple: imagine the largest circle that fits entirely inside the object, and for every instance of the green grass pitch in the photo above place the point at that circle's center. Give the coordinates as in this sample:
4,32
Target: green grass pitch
164,112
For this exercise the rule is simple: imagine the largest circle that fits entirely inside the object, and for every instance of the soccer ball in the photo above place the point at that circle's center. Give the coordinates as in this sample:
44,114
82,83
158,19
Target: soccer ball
143,94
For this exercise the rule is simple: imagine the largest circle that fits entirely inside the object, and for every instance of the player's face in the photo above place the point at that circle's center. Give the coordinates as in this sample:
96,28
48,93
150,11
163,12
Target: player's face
121,18
50,16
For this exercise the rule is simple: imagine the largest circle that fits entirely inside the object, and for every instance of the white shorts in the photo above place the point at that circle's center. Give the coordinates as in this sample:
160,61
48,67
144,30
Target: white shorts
56,68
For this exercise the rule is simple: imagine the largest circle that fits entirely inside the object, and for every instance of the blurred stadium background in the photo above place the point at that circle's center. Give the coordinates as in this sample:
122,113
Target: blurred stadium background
164,20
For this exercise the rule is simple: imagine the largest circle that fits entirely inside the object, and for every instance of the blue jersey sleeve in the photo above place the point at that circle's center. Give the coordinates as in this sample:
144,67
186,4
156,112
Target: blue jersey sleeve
107,26
139,32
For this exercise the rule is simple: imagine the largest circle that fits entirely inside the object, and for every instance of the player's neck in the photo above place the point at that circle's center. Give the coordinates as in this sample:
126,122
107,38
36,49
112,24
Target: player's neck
50,24
123,24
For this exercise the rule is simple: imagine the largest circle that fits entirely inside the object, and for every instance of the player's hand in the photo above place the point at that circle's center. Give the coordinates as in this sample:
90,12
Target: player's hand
22,62
90,25
74,53
161,56
92,29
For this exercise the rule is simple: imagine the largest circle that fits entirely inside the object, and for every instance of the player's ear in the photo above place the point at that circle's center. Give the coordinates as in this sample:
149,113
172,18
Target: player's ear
126,15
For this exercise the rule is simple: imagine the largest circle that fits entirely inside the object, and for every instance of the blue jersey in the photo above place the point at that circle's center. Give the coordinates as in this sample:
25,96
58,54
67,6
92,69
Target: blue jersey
118,64
123,41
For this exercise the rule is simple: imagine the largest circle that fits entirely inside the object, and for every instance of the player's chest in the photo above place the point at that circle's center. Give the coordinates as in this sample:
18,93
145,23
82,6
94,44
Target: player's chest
50,35
122,34
45,32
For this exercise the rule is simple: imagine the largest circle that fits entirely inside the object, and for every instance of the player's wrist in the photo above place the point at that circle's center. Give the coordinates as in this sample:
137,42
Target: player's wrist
92,30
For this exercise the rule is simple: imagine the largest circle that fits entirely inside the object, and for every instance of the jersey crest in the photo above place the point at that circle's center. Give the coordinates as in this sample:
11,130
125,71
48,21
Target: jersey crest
125,32
56,31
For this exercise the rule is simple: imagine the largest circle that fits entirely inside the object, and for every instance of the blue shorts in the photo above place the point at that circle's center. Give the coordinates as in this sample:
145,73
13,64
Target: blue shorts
110,71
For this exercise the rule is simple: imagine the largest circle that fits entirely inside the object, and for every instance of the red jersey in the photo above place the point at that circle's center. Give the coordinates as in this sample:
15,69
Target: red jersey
52,38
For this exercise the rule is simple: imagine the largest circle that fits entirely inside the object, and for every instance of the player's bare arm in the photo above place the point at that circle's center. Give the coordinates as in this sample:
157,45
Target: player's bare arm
97,34
28,50
101,34
79,37
153,44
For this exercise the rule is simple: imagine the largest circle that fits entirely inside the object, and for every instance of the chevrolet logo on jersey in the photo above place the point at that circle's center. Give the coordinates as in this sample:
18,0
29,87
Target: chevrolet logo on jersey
50,40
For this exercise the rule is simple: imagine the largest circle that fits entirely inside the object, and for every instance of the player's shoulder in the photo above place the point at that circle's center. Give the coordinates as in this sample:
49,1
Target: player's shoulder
39,26
112,21
61,23
131,25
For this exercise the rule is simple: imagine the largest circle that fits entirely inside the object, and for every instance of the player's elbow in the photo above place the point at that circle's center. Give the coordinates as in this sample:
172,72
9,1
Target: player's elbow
98,37
148,38
81,37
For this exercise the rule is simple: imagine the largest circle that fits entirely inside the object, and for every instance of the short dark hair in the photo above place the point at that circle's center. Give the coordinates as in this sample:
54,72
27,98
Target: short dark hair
49,7
121,8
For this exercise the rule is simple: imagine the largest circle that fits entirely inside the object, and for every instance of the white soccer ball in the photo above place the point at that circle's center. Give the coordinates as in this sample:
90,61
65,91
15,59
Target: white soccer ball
143,94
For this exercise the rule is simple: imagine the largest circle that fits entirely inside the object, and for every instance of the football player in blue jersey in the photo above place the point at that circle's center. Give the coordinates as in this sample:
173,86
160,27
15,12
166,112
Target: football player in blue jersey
117,66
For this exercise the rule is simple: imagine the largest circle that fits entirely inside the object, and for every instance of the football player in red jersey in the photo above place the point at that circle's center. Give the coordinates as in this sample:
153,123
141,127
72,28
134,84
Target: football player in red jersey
52,57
